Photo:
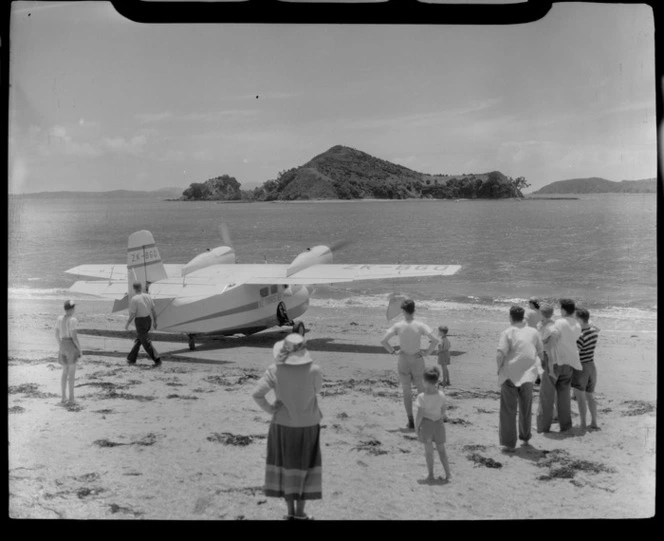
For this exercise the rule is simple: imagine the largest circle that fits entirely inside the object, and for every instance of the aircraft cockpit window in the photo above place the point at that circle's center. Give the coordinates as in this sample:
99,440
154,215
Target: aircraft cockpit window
274,289
265,291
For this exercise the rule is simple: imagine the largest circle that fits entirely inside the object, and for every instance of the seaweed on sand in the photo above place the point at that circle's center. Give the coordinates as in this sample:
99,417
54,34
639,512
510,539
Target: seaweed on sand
251,491
638,407
562,466
484,461
458,421
474,447
372,446
29,389
182,397
228,438
148,439
85,491
16,409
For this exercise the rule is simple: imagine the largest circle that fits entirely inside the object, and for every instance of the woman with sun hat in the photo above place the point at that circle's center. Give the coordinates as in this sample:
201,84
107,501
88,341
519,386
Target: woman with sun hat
293,468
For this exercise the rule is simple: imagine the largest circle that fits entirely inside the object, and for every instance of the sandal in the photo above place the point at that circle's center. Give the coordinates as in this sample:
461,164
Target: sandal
289,517
303,517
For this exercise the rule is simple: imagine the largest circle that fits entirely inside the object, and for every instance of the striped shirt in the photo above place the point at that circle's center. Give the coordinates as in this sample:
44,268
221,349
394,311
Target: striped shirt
586,344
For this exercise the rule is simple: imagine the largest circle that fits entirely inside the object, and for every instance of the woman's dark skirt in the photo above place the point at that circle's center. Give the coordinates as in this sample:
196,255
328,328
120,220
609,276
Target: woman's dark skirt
294,464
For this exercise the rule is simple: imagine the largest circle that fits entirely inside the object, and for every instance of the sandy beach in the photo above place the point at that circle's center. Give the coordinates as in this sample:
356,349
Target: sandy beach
186,441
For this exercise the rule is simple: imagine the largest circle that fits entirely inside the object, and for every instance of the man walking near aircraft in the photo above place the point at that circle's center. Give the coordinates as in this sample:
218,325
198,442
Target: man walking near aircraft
141,307
410,365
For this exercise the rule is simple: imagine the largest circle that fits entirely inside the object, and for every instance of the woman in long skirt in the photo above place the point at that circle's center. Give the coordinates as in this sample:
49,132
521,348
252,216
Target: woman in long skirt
293,469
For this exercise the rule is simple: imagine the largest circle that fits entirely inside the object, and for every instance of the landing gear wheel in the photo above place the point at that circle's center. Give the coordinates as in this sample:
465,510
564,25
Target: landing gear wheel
298,327
192,343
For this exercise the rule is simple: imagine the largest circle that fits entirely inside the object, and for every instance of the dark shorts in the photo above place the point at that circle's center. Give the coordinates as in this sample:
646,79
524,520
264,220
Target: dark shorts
431,431
68,353
586,378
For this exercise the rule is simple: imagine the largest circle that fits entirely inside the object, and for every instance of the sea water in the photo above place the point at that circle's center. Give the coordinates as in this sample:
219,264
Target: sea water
599,250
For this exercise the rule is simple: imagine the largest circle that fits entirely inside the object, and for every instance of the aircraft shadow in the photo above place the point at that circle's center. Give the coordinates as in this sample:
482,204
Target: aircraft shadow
146,362
265,339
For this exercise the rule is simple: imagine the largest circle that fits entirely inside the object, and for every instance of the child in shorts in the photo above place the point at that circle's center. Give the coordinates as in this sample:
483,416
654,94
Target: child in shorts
429,416
444,354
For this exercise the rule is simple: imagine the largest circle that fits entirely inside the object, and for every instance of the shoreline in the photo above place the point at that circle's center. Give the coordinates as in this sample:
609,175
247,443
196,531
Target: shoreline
624,318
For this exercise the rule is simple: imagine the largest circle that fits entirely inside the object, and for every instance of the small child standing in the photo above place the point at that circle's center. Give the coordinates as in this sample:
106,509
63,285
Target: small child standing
69,351
429,415
444,354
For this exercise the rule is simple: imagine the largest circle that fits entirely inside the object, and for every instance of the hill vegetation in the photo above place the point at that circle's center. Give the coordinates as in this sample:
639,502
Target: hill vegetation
599,185
346,173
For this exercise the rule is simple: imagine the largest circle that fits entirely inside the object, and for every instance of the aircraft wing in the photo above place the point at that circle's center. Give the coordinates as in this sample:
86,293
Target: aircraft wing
101,288
260,274
116,272
334,273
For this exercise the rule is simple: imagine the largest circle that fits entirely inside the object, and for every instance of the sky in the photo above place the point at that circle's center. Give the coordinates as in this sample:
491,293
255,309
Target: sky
99,102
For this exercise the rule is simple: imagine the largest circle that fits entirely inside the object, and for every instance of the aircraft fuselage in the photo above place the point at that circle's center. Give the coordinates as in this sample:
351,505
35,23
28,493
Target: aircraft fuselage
234,309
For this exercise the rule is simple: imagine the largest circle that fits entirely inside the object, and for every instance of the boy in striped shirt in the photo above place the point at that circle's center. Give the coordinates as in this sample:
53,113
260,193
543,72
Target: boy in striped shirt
584,380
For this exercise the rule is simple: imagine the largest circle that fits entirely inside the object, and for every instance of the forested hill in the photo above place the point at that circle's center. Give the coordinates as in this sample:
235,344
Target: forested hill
346,173
599,185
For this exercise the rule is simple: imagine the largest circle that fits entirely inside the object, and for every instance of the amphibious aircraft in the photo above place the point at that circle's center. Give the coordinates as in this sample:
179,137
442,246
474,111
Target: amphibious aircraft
212,294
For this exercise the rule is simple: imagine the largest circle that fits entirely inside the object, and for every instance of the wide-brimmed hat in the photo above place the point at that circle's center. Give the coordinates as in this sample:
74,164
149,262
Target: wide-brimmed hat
69,305
297,350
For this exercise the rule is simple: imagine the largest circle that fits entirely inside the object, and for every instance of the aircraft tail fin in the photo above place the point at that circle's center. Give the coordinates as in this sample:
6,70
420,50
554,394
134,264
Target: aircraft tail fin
144,263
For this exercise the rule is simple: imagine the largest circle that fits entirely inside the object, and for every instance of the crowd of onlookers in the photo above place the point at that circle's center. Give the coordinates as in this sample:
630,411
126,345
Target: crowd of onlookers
557,355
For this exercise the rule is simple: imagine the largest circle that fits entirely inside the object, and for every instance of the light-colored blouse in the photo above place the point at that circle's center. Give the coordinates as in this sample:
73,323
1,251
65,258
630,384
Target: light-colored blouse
66,325
296,386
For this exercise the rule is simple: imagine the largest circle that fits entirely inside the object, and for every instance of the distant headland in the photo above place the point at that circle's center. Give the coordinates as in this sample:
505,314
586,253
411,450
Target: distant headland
598,185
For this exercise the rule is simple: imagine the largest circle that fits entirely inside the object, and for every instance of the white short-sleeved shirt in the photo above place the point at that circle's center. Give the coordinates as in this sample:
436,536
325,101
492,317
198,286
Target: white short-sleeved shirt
66,324
519,345
566,331
432,406
409,334
141,305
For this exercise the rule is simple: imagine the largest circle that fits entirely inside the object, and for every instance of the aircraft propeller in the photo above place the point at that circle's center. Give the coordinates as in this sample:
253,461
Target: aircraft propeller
225,234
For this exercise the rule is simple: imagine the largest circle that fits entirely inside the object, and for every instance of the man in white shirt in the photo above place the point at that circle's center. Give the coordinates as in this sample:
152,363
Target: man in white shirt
141,307
518,348
560,344
410,365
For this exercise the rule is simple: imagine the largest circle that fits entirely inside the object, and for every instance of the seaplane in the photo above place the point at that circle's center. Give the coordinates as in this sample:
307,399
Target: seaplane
214,295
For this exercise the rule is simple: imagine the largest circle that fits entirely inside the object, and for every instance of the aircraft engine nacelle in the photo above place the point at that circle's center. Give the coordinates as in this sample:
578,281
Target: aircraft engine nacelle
222,255
311,256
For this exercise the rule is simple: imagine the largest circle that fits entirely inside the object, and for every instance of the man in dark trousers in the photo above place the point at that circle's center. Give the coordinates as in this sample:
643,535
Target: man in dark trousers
141,307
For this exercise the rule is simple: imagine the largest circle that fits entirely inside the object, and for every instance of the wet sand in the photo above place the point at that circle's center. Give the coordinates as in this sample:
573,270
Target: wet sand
186,441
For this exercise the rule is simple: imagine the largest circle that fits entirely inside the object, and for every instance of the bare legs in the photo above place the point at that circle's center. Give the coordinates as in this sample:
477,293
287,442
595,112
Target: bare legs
442,454
446,376
68,377
581,398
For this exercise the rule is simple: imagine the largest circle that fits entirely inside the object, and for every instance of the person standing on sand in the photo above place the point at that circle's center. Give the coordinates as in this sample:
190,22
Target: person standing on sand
410,365
429,421
559,339
518,348
584,380
532,315
294,468
444,354
69,350
141,307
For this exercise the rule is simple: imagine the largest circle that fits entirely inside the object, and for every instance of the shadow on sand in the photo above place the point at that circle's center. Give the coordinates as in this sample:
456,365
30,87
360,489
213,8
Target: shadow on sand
214,342
146,362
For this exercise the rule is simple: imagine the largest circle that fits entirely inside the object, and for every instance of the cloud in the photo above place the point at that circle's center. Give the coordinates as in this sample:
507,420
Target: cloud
120,145
148,118
61,142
